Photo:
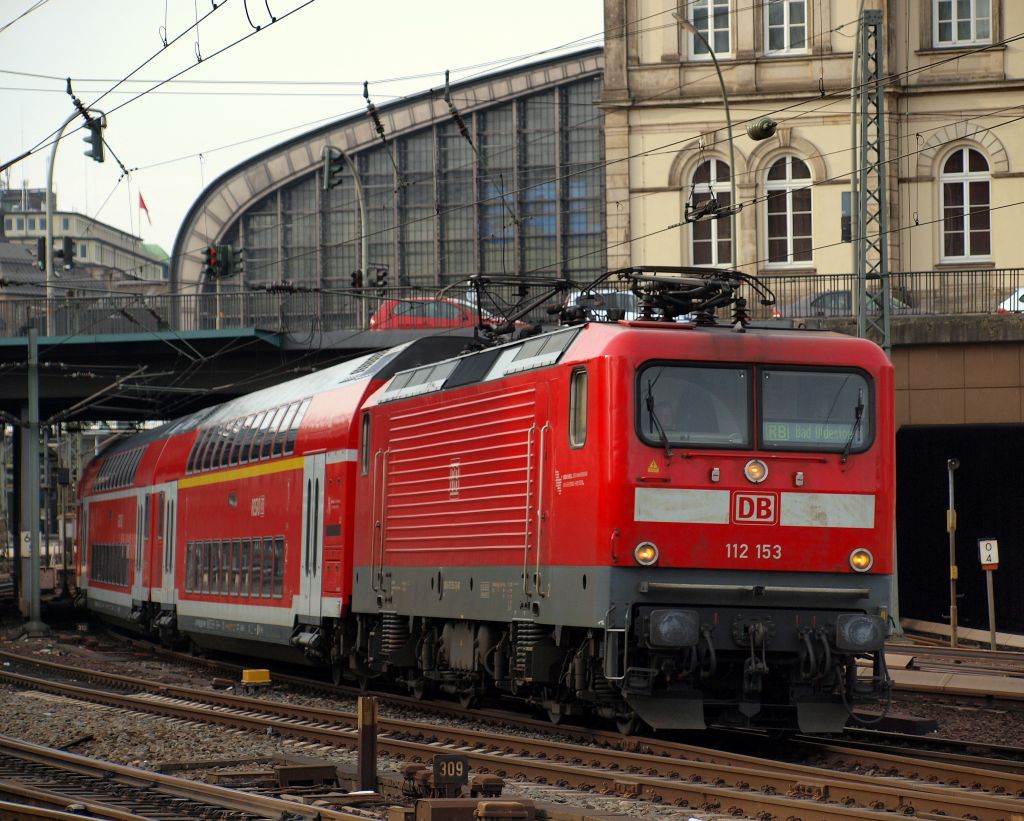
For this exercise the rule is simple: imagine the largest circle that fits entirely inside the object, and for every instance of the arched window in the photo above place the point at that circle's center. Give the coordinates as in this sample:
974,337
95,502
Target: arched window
966,226
712,240
788,190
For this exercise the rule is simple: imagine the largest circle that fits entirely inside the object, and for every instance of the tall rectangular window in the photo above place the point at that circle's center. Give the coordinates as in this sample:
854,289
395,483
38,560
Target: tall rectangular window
456,199
417,216
582,180
538,197
711,19
378,175
786,26
496,197
961,22
299,229
262,242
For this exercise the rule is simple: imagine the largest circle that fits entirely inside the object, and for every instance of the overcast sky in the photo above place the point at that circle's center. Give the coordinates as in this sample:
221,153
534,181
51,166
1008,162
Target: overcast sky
305,69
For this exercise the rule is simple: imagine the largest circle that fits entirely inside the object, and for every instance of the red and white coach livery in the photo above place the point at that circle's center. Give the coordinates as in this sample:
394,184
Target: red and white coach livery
655,520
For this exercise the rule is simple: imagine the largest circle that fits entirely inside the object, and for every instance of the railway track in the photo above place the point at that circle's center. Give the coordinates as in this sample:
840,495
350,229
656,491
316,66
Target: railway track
55,781
855,740
685,775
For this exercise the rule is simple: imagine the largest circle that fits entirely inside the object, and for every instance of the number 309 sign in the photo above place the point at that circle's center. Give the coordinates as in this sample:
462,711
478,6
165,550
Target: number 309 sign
451,770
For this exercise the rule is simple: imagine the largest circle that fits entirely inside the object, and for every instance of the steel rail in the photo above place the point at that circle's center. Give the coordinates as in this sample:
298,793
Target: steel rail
197,791
939,765
642,775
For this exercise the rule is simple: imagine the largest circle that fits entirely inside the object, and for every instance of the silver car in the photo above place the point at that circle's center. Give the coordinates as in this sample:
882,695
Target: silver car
831,303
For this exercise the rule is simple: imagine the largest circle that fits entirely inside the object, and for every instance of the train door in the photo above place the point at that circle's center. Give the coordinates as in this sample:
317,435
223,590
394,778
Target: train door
311,579
142,504
153,542
164,554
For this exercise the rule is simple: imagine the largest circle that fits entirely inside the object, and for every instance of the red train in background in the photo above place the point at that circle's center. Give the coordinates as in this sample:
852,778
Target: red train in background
674,522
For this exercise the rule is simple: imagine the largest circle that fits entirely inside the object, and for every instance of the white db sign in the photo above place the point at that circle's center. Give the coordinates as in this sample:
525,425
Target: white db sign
988,551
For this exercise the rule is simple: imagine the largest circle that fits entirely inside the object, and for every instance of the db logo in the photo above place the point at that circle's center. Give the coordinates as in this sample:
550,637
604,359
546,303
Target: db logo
755,508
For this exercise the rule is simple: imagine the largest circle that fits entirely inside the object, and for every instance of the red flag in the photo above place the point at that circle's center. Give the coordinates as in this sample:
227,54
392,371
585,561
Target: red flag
142,206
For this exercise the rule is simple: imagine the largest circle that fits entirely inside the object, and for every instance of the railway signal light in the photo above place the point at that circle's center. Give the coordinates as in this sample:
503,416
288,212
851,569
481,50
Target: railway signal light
67,253
357,279
211,261
334,167
94,139
41,253
381,280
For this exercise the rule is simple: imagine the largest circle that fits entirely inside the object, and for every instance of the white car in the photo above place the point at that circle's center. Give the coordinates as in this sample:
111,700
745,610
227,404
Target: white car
1013,304
597,304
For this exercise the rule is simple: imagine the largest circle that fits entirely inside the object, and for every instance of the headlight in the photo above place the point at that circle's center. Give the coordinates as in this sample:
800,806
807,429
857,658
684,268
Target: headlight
674,628
756,471
646,553
861,560
859,633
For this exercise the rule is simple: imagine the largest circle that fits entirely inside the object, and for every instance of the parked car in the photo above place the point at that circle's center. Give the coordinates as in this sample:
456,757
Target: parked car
597,304
1013,304
422,313
830,303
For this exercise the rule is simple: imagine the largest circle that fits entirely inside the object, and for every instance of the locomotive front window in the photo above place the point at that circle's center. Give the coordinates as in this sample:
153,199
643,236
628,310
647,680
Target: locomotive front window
687,406
815,410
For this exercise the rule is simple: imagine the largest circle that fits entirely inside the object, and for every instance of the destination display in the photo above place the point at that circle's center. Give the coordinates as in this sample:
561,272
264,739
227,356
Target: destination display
812,433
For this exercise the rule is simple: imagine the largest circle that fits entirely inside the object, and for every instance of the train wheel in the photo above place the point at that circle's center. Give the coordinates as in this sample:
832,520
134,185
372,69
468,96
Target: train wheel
337,672
420,689
555,715
467,698
195,650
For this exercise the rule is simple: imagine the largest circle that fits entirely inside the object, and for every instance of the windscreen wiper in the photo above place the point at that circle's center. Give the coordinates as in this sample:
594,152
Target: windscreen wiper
655,422
858,415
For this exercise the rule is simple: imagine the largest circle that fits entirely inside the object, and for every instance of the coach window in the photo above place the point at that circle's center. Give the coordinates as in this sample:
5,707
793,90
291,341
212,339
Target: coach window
578,408
189,564
279,567
815,410
220,459
238,433
280,431
263,431
249,452
293,431
236,547
196,459
215,567
364,453
244,561
256,576
268,567
225,566
210,438
267,440
145,516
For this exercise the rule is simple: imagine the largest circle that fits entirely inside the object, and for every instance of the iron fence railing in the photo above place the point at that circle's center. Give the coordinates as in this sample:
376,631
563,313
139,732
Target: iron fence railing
830,295
913,293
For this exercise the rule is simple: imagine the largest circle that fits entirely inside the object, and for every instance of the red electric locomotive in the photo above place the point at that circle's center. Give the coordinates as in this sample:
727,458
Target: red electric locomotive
674,522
